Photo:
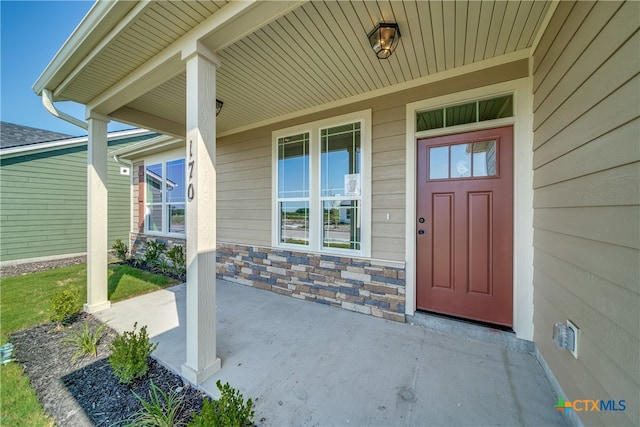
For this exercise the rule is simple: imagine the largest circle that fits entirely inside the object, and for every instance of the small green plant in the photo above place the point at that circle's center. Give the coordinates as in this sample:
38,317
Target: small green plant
129,354
121,250
163,266
85,341
229,411
153,251
65,304
178,260
137,262
163,409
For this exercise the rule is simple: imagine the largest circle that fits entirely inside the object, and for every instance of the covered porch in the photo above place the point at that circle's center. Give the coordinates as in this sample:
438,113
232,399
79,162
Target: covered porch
310,364
293,71
169,66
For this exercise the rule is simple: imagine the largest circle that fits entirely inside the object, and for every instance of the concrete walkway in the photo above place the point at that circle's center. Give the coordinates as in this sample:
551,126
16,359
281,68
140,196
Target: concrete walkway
311,364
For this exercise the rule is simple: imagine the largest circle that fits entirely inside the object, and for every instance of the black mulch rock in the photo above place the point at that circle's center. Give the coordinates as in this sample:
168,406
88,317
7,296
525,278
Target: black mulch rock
35,267
86,392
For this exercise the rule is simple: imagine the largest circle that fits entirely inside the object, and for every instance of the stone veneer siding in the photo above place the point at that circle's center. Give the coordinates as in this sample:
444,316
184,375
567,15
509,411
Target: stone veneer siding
366,286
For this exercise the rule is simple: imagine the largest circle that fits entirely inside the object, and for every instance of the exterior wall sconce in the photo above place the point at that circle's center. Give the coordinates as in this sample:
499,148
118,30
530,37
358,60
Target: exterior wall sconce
218,106
384,39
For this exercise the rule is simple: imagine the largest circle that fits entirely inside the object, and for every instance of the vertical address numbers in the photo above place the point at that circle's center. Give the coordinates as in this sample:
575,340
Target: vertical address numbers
190,188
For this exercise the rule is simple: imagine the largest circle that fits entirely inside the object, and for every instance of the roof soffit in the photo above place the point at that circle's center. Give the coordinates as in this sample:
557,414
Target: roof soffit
95,26
282,57
229,24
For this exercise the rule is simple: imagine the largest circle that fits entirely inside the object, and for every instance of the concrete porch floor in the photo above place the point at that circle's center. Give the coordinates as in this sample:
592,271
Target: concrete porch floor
310,364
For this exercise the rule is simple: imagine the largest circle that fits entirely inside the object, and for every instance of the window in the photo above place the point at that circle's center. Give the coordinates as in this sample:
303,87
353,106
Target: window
472,112
165,197
321,186
340,190
476,159
293,189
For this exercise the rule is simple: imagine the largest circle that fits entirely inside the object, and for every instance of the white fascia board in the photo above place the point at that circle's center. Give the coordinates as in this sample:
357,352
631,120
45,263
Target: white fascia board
148,121
148,146
87,34
121,26
545,23
67,143
234,21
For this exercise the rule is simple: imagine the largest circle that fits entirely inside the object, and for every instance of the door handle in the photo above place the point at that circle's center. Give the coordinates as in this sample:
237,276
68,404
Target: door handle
420,231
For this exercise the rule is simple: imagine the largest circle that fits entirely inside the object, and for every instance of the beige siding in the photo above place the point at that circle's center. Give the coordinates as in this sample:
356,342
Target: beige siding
244,165
586,201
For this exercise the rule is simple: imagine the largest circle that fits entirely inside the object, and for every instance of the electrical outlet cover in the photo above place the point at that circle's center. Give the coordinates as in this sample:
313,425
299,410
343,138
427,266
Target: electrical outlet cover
576,334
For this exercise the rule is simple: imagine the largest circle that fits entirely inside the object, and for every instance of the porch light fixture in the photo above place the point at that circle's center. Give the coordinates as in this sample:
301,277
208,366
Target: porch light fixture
218,106
384,39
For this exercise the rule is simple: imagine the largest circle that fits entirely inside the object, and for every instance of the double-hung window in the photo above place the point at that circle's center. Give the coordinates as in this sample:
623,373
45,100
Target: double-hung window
293,189
322,186
165,197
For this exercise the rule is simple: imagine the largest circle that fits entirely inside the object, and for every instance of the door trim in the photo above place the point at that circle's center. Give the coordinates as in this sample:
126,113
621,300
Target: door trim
522,122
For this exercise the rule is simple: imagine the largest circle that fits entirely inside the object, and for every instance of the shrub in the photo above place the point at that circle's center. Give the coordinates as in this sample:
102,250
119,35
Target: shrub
153,251
85,341
229,411
178,260
164,266
162,409
137,262
129,354
65,304
121,250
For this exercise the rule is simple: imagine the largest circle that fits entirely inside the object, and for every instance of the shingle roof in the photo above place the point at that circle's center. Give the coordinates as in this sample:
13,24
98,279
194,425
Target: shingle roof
12,135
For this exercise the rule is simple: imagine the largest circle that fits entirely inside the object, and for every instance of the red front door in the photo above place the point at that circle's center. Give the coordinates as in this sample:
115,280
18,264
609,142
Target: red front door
465,225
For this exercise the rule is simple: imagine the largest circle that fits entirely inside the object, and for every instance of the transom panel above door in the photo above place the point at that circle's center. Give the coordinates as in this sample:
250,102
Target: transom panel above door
464,245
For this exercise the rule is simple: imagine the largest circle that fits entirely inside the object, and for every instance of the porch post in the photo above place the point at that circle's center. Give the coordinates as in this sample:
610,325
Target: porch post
202,361
97,206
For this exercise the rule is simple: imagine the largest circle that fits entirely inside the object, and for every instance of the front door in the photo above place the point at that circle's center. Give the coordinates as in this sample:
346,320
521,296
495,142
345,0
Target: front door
465,225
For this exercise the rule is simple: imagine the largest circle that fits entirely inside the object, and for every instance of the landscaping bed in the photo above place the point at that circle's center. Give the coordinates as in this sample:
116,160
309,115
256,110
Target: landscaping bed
34,267
86,392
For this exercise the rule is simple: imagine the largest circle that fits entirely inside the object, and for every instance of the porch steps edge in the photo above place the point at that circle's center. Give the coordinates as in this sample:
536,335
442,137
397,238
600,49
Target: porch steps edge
473,331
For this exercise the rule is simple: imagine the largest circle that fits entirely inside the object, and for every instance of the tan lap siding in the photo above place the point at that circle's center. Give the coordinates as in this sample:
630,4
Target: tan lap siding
388,182
243,163
586,201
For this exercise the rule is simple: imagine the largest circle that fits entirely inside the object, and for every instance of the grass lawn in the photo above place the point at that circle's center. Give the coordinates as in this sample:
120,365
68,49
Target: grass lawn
26,302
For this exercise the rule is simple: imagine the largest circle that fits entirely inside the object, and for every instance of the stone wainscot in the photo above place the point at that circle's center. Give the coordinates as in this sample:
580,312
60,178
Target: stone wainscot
362,285
366,286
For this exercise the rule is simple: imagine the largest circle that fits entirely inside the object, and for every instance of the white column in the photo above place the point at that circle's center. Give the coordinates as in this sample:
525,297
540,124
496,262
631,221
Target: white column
202,361
97,288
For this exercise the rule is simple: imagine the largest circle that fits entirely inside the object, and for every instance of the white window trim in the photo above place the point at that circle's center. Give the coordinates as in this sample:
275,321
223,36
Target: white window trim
522,122
162,158
315,204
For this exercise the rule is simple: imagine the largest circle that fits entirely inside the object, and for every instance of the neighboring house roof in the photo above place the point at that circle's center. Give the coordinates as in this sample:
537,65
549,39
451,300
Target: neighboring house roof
13,135
17,149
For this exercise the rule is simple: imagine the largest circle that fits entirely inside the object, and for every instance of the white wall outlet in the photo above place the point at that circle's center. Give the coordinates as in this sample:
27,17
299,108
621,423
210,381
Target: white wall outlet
576,340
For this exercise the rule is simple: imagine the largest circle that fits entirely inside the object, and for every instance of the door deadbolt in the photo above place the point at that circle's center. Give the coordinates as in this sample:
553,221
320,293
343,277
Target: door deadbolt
421,220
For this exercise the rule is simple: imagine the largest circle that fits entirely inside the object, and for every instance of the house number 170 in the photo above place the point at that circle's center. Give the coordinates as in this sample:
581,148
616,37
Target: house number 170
190,188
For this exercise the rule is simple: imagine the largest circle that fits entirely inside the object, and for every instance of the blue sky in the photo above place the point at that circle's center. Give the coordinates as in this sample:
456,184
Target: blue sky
32,33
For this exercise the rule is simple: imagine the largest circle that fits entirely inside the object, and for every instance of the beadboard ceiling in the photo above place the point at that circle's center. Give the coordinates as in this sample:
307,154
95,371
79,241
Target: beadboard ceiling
315,54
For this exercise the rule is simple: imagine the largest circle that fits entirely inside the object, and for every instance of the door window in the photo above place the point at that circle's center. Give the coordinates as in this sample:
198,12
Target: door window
469,160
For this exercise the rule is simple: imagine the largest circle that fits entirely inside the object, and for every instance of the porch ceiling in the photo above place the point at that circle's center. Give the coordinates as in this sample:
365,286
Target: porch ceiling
281,60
